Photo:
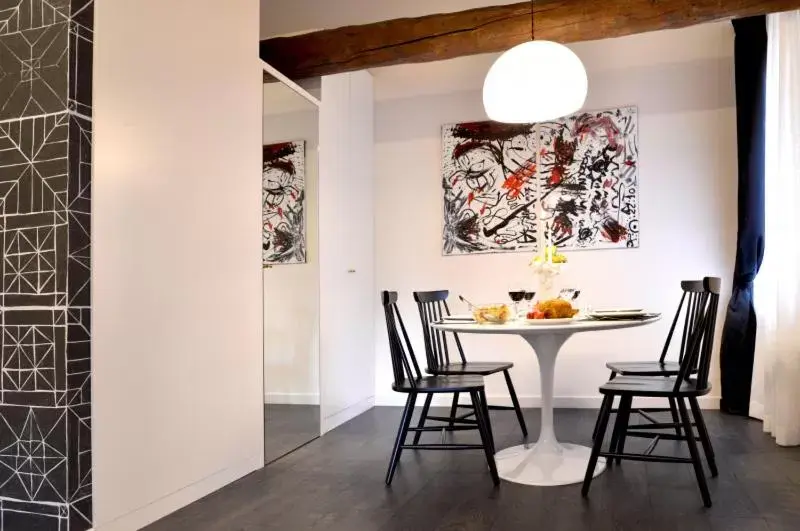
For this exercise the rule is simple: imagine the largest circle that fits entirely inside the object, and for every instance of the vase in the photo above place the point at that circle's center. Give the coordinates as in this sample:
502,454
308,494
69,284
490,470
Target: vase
547,277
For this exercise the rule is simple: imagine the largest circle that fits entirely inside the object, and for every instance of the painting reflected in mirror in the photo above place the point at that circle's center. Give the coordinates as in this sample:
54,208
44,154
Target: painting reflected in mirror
291,269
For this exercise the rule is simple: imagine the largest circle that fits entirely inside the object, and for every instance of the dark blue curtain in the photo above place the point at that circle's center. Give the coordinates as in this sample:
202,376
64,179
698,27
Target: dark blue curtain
739,333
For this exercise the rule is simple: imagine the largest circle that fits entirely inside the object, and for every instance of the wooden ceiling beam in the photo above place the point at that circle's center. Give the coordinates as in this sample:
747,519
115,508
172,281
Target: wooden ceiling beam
493,29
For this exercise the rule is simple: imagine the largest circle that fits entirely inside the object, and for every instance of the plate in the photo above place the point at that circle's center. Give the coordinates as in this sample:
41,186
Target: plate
624,317
617,314
463,318
565,320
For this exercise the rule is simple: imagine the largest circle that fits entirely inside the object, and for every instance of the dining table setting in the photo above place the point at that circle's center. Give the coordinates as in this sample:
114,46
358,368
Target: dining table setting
546,318
545,323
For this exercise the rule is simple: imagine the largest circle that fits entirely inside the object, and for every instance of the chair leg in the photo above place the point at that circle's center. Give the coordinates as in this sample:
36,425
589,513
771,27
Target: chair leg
624,418
402,431
453,410
485,406
602,424
480,417
615,432
597,422
673,410
515,402
696,462
423,416
702,430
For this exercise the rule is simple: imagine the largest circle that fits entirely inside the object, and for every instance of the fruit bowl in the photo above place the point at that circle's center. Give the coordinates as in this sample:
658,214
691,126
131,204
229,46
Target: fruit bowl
491,313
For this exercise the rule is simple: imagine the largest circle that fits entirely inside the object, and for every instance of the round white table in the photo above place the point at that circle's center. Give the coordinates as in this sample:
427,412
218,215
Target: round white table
547,462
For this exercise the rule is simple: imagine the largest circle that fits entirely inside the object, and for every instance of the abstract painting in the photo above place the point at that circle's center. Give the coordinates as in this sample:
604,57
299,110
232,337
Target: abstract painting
283,204
490,190
588,177
576,177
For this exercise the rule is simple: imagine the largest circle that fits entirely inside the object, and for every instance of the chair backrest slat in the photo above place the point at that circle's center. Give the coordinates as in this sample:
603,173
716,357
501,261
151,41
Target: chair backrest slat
672,329
695,301
427,334
713,285
404,363
445,348
691,309
457,339
701,314
441,341
433,308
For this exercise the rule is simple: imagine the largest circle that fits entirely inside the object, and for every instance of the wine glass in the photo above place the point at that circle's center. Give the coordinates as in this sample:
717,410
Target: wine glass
516,296
529,295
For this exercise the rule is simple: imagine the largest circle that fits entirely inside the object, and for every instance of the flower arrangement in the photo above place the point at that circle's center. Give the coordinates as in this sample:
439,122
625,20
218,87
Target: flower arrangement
547,266
550,255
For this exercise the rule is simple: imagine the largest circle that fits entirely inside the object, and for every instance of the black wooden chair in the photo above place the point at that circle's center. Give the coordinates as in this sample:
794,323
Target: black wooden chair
661,367
408,379
432,308
690,382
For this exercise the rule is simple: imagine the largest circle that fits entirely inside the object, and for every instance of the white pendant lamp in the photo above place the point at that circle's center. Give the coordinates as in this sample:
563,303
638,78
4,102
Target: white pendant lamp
535,81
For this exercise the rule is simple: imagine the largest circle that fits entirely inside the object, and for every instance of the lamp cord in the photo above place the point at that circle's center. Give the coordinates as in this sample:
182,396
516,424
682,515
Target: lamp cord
532,33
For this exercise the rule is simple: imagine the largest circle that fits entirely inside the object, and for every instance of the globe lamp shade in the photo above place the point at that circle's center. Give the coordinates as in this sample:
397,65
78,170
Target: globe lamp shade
535,81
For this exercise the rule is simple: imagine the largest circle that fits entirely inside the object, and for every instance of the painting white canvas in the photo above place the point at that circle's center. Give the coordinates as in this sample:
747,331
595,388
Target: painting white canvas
577,178
283,204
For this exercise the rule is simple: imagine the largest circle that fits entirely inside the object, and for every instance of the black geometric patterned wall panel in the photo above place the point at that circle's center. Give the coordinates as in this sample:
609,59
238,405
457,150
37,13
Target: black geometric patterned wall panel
45,314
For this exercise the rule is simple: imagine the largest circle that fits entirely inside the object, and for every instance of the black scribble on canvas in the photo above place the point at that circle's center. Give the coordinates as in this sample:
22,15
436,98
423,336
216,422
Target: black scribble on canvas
580,173
589,179
489,187
283,204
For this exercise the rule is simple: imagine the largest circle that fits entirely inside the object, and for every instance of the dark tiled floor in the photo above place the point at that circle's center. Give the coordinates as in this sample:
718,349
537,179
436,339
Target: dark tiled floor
287,427
336,483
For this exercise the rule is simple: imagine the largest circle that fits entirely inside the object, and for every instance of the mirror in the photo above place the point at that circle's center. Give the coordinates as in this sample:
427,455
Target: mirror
291,268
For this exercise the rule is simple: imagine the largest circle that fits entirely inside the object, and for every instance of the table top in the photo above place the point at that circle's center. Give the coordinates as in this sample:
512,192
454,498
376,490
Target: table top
523,328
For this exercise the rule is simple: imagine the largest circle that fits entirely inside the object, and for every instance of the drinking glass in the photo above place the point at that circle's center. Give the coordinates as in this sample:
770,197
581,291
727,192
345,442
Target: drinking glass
516,296
529,295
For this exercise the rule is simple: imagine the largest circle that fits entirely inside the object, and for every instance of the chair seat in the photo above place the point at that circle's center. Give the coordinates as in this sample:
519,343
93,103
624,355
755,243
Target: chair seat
645,368
649,386
480,368
440,384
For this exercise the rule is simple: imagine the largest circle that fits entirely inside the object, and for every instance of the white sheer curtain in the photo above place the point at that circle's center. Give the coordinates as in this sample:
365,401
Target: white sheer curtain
776,382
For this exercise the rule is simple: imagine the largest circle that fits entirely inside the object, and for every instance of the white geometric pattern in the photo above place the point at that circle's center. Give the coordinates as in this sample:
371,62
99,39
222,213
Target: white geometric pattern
33,46
32,14
28,360
34,171
30,257
31,459
45,299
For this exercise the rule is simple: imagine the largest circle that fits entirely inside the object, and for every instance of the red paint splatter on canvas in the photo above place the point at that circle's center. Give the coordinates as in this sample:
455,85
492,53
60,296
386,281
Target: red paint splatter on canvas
517,180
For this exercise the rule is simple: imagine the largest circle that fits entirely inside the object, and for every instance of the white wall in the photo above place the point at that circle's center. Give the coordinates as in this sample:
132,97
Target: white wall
291,292
346,247
682,82
177,321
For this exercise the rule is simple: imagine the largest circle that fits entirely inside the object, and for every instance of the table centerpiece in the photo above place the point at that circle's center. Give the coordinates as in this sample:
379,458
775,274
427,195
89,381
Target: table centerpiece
547,267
